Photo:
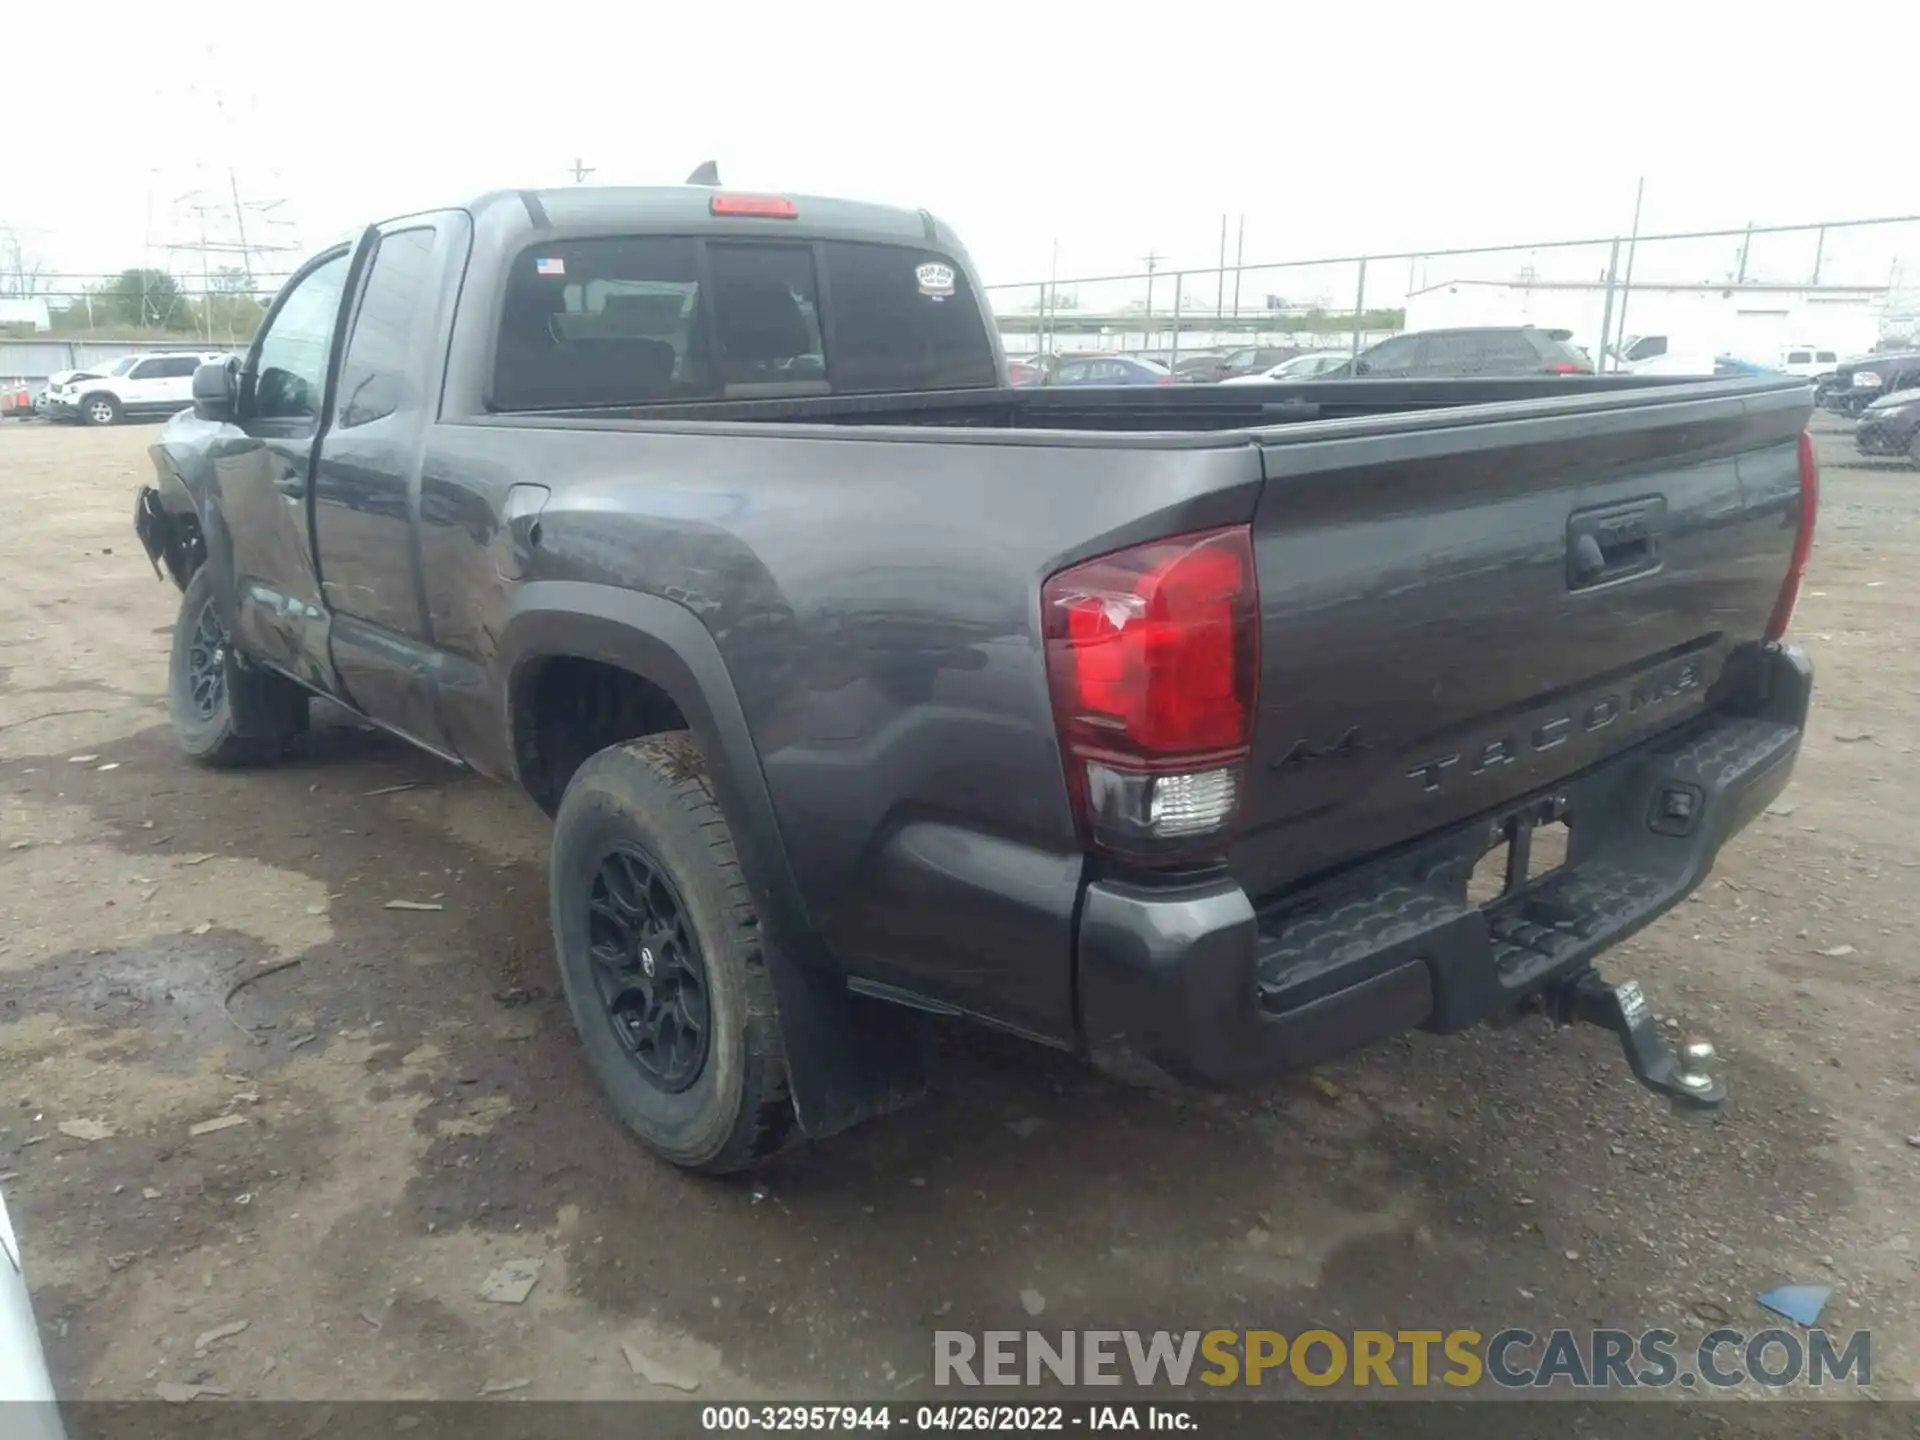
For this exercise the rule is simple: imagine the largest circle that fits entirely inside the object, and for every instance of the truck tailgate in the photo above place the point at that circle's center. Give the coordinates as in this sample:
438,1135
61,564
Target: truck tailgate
1461,607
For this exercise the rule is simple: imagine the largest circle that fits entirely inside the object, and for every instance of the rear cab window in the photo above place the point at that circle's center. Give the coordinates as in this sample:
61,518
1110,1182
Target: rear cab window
647,319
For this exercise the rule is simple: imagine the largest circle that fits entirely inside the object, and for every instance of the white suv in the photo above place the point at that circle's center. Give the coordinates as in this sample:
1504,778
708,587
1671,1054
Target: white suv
149,384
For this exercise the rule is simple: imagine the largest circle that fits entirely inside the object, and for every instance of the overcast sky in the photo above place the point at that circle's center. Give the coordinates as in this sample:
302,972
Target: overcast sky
1113,130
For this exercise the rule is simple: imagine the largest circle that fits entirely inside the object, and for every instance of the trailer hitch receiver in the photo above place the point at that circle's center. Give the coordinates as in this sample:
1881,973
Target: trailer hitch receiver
1686,1075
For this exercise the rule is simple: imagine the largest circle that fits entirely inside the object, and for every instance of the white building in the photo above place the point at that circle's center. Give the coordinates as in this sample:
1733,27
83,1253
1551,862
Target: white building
1754,321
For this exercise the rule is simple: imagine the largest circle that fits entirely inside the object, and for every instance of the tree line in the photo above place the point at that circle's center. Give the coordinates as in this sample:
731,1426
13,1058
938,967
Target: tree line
144,300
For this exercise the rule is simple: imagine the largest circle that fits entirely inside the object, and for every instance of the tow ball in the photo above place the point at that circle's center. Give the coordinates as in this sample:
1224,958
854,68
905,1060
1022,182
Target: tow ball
1686,1076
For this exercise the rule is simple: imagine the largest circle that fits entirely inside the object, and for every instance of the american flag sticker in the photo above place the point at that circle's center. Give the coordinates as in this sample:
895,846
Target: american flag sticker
549,265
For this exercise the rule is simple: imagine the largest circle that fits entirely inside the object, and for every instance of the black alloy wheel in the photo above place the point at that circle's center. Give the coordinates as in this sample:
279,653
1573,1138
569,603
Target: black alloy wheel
647,966
207,663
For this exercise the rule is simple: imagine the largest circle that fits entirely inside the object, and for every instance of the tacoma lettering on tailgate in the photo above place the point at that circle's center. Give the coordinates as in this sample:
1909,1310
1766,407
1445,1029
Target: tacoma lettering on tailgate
1555,730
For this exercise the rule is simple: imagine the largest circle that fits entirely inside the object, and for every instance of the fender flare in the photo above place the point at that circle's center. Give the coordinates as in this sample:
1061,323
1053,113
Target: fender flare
839,1070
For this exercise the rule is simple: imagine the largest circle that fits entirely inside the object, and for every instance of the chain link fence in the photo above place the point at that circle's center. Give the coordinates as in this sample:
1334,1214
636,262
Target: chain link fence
1758,293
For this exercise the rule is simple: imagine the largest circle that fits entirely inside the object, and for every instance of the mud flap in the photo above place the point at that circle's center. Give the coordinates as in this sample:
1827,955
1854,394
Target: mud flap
847,1059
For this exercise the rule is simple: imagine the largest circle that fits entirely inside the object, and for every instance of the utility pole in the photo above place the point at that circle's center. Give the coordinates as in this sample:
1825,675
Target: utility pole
1050,303
1745,244
1819,251
1220,291
581,170
1626,287
1153,263
240,227
1239,259
1606,313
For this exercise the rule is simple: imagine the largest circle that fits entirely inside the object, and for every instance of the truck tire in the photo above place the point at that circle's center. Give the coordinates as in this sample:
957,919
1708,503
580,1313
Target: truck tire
101,409
660,956
225,713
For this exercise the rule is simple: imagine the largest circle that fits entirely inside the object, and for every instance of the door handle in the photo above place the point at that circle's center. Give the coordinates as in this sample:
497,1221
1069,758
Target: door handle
1615,542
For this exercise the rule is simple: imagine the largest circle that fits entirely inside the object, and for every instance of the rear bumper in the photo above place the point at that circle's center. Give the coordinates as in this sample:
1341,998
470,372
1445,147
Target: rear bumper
1219,992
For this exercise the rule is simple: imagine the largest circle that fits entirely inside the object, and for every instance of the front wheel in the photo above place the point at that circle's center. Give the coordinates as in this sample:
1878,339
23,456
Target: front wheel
100,410
225,712
660,956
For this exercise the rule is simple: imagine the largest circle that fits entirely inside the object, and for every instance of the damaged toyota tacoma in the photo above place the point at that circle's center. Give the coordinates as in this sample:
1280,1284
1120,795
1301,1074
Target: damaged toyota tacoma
1165,726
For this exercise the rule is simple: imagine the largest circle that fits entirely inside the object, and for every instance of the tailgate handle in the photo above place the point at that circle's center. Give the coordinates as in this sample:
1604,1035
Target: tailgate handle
1614,542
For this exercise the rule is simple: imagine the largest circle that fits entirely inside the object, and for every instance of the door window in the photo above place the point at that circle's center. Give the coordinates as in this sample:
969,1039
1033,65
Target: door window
290,373
146,370
1391,357
373,372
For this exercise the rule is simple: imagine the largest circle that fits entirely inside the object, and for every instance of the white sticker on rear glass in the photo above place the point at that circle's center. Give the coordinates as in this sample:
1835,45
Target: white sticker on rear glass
936,280
549,265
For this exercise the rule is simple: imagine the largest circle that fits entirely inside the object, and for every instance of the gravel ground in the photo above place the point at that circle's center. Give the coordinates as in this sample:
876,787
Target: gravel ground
406,1108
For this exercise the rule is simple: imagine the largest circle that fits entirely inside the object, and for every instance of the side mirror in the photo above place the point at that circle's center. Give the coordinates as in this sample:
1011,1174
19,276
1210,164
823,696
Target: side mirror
216,389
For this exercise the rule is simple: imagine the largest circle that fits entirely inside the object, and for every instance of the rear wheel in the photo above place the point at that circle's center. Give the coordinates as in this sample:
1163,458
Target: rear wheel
100,410
225,712
660,957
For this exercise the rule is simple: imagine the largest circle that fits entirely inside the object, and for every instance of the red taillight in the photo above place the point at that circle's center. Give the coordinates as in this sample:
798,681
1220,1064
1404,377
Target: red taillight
1802,541
1565,367
1153,657
767,207
1164,380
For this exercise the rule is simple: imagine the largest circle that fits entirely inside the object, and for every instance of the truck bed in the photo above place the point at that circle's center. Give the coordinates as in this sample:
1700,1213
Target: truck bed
1426,654
1198,412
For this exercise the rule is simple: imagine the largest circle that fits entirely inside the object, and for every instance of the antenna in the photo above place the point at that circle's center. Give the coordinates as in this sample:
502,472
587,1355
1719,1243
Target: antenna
706,173
581,170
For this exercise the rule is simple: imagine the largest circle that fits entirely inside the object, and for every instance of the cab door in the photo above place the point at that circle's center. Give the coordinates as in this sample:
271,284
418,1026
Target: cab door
367,479
263,468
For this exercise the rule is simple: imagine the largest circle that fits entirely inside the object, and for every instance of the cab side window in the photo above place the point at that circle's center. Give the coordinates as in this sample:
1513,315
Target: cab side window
373,373
290,374
1390,357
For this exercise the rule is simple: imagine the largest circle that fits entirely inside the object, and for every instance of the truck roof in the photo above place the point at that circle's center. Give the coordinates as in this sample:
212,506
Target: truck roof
586,207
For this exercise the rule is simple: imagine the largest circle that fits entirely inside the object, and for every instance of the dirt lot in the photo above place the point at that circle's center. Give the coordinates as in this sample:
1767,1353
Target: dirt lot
416,1111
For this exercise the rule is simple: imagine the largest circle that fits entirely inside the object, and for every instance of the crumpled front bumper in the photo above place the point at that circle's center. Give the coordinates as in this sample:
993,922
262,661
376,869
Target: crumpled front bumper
1219,991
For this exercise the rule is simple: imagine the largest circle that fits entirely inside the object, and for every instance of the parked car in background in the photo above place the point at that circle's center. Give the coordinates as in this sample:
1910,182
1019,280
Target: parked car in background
1110,370
1889,425
1200,367
1309,366
133,385
1248,360
26,1390
1025,372
1858,382
1808,361
1724,365
1483,350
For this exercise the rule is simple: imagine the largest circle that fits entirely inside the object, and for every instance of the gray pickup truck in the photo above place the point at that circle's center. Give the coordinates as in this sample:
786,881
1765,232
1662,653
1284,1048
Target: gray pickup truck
1173,726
